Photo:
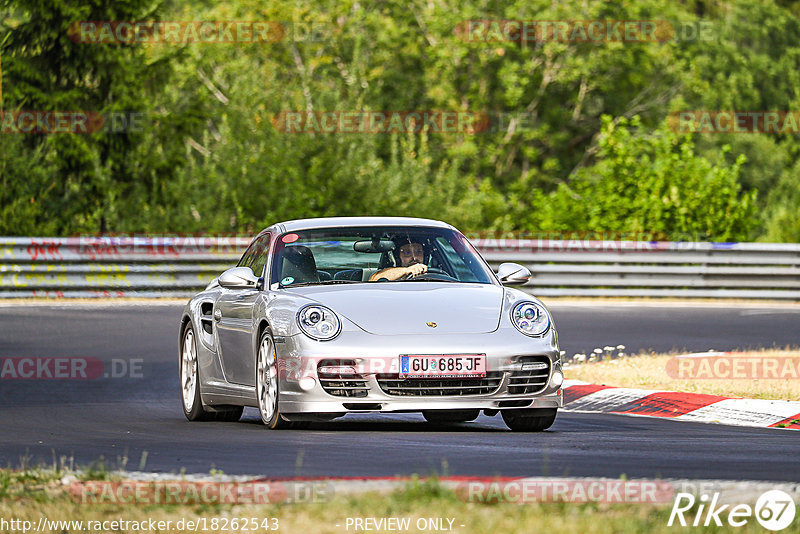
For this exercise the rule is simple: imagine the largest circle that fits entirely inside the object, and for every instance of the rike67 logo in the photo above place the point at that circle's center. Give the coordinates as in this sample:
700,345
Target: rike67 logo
774,510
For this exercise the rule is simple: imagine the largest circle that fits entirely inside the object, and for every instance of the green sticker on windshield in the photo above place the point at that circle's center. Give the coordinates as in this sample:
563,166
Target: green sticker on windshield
287,281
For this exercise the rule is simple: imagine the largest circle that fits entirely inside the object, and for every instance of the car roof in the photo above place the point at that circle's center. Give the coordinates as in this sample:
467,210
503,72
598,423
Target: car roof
342,222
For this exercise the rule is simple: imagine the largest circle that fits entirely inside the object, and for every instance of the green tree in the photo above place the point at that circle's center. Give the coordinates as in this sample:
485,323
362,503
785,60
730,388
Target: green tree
96,182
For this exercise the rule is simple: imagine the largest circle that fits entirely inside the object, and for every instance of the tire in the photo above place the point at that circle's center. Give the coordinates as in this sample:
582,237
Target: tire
450,416
530,420
268,384
190,380
191,399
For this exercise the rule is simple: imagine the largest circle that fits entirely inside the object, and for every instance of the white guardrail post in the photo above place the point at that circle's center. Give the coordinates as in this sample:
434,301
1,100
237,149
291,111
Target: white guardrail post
179,266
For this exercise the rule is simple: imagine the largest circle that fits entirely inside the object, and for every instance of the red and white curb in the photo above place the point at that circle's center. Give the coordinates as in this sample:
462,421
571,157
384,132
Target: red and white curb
593,398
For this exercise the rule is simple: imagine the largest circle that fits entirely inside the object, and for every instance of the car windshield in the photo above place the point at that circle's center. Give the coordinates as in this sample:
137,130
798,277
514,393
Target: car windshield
358,254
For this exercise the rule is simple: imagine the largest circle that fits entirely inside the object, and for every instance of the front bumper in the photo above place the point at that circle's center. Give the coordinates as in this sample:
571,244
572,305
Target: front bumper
377,401
377,355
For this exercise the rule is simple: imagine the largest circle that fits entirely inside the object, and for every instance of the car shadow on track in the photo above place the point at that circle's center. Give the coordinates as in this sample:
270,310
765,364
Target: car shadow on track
394,423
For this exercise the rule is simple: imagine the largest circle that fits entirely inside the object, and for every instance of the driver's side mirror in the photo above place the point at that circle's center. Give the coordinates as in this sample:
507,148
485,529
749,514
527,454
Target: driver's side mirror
239,278
511,274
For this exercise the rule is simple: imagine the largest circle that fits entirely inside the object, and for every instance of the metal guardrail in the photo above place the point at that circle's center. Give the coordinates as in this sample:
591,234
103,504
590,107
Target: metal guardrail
178,267
653,268
113,266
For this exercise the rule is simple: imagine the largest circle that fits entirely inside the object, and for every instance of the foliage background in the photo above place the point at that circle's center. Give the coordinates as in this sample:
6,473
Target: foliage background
583,146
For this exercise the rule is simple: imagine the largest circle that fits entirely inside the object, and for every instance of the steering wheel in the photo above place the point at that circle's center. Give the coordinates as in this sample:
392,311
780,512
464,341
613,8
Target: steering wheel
435,270
433,273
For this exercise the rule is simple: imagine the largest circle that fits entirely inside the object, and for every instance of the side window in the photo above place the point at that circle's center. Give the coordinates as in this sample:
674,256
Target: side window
248,256
260,254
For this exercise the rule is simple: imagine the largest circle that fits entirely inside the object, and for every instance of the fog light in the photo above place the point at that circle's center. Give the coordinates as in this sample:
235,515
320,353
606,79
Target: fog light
307,383
557,380
336,370
534,366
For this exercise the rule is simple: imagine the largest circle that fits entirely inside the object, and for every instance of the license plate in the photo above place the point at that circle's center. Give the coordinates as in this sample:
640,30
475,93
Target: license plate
442,365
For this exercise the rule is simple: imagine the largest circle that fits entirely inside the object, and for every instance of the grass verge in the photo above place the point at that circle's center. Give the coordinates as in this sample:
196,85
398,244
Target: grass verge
31,495
649,371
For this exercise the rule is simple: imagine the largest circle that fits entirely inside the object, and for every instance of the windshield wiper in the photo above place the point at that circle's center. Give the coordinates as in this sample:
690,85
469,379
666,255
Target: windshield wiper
321,283
428,280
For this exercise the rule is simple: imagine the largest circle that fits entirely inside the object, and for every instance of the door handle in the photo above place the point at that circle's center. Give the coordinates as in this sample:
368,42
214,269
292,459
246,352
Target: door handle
217,315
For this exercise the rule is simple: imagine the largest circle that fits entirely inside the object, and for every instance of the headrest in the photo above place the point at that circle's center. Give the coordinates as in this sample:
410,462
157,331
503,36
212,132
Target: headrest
299,264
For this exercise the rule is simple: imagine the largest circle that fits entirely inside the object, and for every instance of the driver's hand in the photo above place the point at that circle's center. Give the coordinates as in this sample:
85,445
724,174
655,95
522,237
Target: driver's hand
416,269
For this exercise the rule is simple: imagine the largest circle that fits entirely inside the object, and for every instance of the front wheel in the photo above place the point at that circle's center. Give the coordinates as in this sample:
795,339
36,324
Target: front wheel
530,420
267,383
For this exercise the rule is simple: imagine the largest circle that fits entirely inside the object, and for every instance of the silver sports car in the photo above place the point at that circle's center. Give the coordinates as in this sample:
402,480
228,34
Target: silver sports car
325,317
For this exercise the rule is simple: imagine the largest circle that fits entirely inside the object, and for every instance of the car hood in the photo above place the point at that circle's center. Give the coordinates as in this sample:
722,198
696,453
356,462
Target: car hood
396,308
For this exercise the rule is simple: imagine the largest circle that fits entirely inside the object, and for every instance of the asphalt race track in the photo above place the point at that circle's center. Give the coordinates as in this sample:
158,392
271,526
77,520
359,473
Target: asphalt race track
120,418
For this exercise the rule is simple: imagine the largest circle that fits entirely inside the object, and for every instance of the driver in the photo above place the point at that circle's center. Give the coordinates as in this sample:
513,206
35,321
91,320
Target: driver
409,255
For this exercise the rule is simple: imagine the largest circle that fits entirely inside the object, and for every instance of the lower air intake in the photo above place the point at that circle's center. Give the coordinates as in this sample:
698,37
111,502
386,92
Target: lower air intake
392,384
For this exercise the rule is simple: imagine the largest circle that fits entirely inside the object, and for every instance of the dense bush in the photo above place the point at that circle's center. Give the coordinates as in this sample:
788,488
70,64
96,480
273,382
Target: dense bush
649,182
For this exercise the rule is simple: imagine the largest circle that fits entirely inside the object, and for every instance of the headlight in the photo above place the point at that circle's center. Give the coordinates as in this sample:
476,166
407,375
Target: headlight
318,322
530,318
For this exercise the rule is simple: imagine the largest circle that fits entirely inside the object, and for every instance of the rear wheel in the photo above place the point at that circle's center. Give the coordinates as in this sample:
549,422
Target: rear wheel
190,385
450,416
530,420
267,383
